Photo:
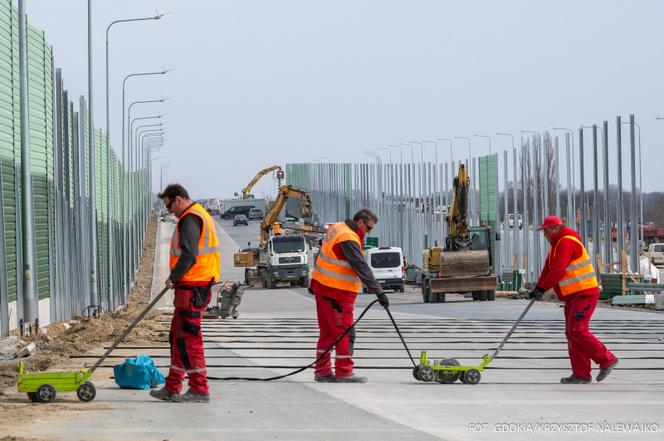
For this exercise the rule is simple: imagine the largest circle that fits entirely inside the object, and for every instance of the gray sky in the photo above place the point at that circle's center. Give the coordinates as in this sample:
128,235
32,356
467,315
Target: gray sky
269,82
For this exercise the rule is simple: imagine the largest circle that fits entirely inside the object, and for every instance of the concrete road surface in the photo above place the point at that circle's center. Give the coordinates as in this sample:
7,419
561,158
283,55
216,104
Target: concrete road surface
518,398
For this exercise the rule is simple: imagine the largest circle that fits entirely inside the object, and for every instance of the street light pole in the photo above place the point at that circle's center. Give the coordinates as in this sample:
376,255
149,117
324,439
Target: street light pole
515,222
488,138
131,233
30,299
108,152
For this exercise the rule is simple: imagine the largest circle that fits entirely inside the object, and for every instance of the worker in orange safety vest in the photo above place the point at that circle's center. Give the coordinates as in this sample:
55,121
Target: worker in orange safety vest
194,267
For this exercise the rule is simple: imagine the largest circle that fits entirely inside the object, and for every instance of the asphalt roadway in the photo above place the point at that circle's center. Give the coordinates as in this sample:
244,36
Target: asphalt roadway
518,398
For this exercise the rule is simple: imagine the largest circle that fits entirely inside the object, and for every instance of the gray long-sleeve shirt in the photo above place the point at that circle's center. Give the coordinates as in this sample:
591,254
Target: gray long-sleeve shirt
189,230
355,258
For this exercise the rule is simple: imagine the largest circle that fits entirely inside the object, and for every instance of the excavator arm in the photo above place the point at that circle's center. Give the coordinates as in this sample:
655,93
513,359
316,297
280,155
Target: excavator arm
246,191
285,192
457,216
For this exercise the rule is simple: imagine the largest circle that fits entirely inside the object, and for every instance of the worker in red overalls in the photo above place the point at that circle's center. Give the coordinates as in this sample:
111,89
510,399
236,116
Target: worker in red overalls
569,271
337,278
195,267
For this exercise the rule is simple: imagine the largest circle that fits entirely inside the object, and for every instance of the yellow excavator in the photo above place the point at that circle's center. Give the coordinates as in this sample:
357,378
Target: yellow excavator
278,258
464,264
246,191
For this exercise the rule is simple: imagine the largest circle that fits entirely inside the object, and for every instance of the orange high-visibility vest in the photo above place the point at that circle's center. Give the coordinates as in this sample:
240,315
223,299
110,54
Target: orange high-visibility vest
330,269
207,264
579,275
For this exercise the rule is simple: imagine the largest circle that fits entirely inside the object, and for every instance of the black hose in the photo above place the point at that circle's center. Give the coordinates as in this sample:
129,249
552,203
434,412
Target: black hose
327,351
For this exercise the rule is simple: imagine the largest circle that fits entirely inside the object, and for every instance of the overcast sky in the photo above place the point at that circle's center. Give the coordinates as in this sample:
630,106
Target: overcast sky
270,82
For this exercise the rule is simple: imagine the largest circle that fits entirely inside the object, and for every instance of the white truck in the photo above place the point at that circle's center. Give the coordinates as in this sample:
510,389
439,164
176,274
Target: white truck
282,259
656,254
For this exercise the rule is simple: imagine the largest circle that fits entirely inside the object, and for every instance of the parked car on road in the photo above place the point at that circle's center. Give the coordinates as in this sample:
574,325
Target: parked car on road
240,219
256,214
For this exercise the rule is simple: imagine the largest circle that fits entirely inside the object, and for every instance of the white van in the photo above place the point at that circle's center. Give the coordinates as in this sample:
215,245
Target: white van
386,263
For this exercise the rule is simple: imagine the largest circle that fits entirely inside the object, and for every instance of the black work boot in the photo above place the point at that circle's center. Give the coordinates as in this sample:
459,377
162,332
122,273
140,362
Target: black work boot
162,394
603,373
352,379
572,379
190,397
329,378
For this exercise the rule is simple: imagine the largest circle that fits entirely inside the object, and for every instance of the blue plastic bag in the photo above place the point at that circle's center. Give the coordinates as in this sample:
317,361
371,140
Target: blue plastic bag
138,373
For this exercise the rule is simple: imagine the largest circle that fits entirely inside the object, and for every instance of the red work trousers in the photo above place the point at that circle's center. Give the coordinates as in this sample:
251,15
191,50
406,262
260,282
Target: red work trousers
334,317
582,345
186,340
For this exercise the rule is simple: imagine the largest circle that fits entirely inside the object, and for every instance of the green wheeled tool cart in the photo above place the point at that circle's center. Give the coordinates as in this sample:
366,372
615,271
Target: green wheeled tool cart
42,387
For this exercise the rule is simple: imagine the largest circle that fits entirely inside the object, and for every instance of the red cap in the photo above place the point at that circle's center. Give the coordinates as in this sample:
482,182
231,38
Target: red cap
551,221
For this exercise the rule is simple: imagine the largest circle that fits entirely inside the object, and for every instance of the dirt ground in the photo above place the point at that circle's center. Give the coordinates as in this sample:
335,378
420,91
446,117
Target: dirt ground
85,334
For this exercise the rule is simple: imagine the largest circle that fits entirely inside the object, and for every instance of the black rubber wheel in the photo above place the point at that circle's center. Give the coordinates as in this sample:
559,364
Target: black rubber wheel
416,374
46,393
491,295
446,378
304,282
462,378
402,288
476,295
426,373
483,296
472,376
32,396
86,392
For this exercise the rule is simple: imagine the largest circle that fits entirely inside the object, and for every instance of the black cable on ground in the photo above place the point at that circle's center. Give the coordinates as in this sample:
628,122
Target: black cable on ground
327,351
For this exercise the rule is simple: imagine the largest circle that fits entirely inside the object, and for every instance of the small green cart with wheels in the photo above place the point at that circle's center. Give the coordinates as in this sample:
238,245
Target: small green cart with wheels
42,387
449,370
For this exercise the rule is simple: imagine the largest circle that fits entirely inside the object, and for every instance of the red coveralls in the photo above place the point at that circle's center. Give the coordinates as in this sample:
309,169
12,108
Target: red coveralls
334,308
186,340
582,345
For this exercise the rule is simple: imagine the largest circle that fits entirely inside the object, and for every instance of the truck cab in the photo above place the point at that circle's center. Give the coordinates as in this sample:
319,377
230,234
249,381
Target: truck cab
284,259
656,254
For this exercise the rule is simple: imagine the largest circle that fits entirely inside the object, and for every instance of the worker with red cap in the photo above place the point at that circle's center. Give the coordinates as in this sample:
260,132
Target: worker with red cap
569,271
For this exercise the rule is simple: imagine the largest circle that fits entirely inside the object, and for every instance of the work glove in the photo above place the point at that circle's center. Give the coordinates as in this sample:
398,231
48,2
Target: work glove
383,300
536,293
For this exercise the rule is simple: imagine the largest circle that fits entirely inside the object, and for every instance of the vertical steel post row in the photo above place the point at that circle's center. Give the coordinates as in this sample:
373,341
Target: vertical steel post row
536,202
515,209
557,173
545,177
633,235
582,186
95,300
29,295
620,243
476,218
570,192
4,305
526,220
595,226
608,248
506,228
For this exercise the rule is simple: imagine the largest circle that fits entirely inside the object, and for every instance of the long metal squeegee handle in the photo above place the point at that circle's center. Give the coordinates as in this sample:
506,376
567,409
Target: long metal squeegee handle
129,328
511,331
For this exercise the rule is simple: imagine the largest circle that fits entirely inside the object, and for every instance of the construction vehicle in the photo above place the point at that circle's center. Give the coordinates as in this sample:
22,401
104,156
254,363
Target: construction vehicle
278,258
246,191
464,264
